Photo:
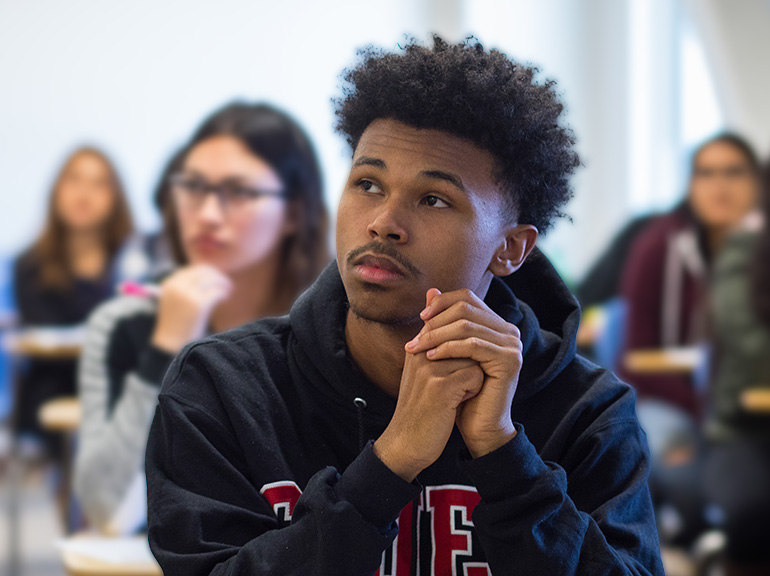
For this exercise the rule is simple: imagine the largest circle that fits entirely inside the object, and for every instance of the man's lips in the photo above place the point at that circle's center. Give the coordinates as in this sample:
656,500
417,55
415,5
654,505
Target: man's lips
376,268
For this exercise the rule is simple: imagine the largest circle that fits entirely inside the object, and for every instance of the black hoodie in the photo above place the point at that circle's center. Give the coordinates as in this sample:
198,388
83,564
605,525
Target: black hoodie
260,458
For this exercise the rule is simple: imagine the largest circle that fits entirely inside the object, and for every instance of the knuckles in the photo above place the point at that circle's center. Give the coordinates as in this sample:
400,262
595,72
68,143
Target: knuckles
475,343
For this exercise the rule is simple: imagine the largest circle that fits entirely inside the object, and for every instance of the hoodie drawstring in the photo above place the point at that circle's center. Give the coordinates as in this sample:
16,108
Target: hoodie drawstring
360,407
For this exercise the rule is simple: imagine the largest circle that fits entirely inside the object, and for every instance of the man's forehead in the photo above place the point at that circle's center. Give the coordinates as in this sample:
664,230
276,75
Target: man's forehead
391,141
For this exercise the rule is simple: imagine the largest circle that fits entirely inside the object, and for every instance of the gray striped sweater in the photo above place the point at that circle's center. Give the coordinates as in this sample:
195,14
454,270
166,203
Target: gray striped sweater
119,379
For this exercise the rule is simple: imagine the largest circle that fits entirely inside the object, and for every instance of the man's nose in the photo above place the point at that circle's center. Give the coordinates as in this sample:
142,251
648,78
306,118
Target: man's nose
388,223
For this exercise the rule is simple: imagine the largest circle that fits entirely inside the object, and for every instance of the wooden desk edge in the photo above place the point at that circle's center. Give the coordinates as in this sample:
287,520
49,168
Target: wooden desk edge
661,361
61,414
79,565
756,400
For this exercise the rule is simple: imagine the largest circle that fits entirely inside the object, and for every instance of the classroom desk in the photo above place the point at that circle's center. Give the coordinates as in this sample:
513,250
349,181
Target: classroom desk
61,414
31,349
665,361
78,564
756,400
45,343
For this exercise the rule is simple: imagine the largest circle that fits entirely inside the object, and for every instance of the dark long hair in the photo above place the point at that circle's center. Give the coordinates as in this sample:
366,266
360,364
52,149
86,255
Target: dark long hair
736,141
761,268
276,138
49,251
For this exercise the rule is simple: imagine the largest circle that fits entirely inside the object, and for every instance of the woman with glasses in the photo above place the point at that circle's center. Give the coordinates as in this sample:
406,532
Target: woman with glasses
247,225
67,272
665,280
665,286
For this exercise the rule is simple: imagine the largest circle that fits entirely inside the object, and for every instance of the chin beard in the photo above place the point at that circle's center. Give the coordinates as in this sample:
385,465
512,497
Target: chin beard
392,320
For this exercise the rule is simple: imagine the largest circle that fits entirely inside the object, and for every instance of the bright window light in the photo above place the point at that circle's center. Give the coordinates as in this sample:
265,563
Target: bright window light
701,115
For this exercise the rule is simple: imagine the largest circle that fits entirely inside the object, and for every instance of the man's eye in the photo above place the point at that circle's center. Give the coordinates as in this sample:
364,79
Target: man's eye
368,186
435,202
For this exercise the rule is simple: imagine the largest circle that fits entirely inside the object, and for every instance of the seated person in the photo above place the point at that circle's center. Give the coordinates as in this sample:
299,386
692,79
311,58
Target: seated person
738,456
66,273
665,281
247,224
602,281
412,413
665,287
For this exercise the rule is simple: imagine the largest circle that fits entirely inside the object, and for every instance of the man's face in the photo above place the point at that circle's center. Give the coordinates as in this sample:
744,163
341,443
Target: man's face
420,210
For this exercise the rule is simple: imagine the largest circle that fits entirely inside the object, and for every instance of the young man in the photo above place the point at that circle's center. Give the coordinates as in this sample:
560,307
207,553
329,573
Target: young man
380,427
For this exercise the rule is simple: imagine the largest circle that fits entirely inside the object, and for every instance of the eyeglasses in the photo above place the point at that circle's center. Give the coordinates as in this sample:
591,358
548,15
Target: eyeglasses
191,191
731,173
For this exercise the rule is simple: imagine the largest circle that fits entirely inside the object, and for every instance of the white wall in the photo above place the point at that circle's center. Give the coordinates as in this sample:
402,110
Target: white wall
137,76
737,42
618,77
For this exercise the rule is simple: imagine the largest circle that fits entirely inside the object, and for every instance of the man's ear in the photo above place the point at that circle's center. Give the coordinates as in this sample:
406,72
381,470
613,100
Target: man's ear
519,242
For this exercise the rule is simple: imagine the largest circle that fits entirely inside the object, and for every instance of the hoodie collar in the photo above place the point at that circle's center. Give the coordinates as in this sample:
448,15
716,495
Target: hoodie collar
534,298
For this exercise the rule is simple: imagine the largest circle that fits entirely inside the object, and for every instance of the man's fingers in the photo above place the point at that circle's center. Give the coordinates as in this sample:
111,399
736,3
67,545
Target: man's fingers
430,295
480,314
464,312
471,382
473,348
459,330
441,302
452,365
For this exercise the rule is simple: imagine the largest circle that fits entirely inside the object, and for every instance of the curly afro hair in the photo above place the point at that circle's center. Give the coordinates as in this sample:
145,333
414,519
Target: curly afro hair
483,97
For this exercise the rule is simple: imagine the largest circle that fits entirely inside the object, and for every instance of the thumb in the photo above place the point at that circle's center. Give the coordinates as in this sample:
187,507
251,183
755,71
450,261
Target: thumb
430,295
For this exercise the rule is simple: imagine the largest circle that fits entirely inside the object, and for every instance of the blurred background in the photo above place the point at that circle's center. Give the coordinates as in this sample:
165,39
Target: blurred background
643,81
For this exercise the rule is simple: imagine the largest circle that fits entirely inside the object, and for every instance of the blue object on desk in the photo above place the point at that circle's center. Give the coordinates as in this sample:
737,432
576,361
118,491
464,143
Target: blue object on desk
609,345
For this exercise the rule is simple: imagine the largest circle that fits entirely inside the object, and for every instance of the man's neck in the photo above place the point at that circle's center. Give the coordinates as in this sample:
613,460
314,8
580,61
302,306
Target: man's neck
378,350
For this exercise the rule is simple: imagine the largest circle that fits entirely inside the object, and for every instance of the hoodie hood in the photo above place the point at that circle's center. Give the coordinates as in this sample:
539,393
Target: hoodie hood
534,298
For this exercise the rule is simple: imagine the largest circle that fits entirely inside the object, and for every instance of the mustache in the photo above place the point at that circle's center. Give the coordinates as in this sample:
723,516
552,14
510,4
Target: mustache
384,250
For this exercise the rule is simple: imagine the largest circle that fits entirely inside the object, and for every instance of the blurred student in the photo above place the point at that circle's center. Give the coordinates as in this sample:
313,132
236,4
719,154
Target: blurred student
602,281
68,271
247,226
665,281
738,463
603,310
665,287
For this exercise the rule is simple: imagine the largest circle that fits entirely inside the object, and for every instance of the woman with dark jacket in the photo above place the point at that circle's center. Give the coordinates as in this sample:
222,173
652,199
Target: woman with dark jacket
738,462
665,287
666,276
67,272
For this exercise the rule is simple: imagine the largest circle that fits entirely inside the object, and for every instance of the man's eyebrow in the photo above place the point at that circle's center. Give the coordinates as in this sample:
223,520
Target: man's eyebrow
369,161
446,176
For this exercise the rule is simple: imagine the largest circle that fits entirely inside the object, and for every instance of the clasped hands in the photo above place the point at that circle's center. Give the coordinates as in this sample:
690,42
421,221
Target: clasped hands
462,368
